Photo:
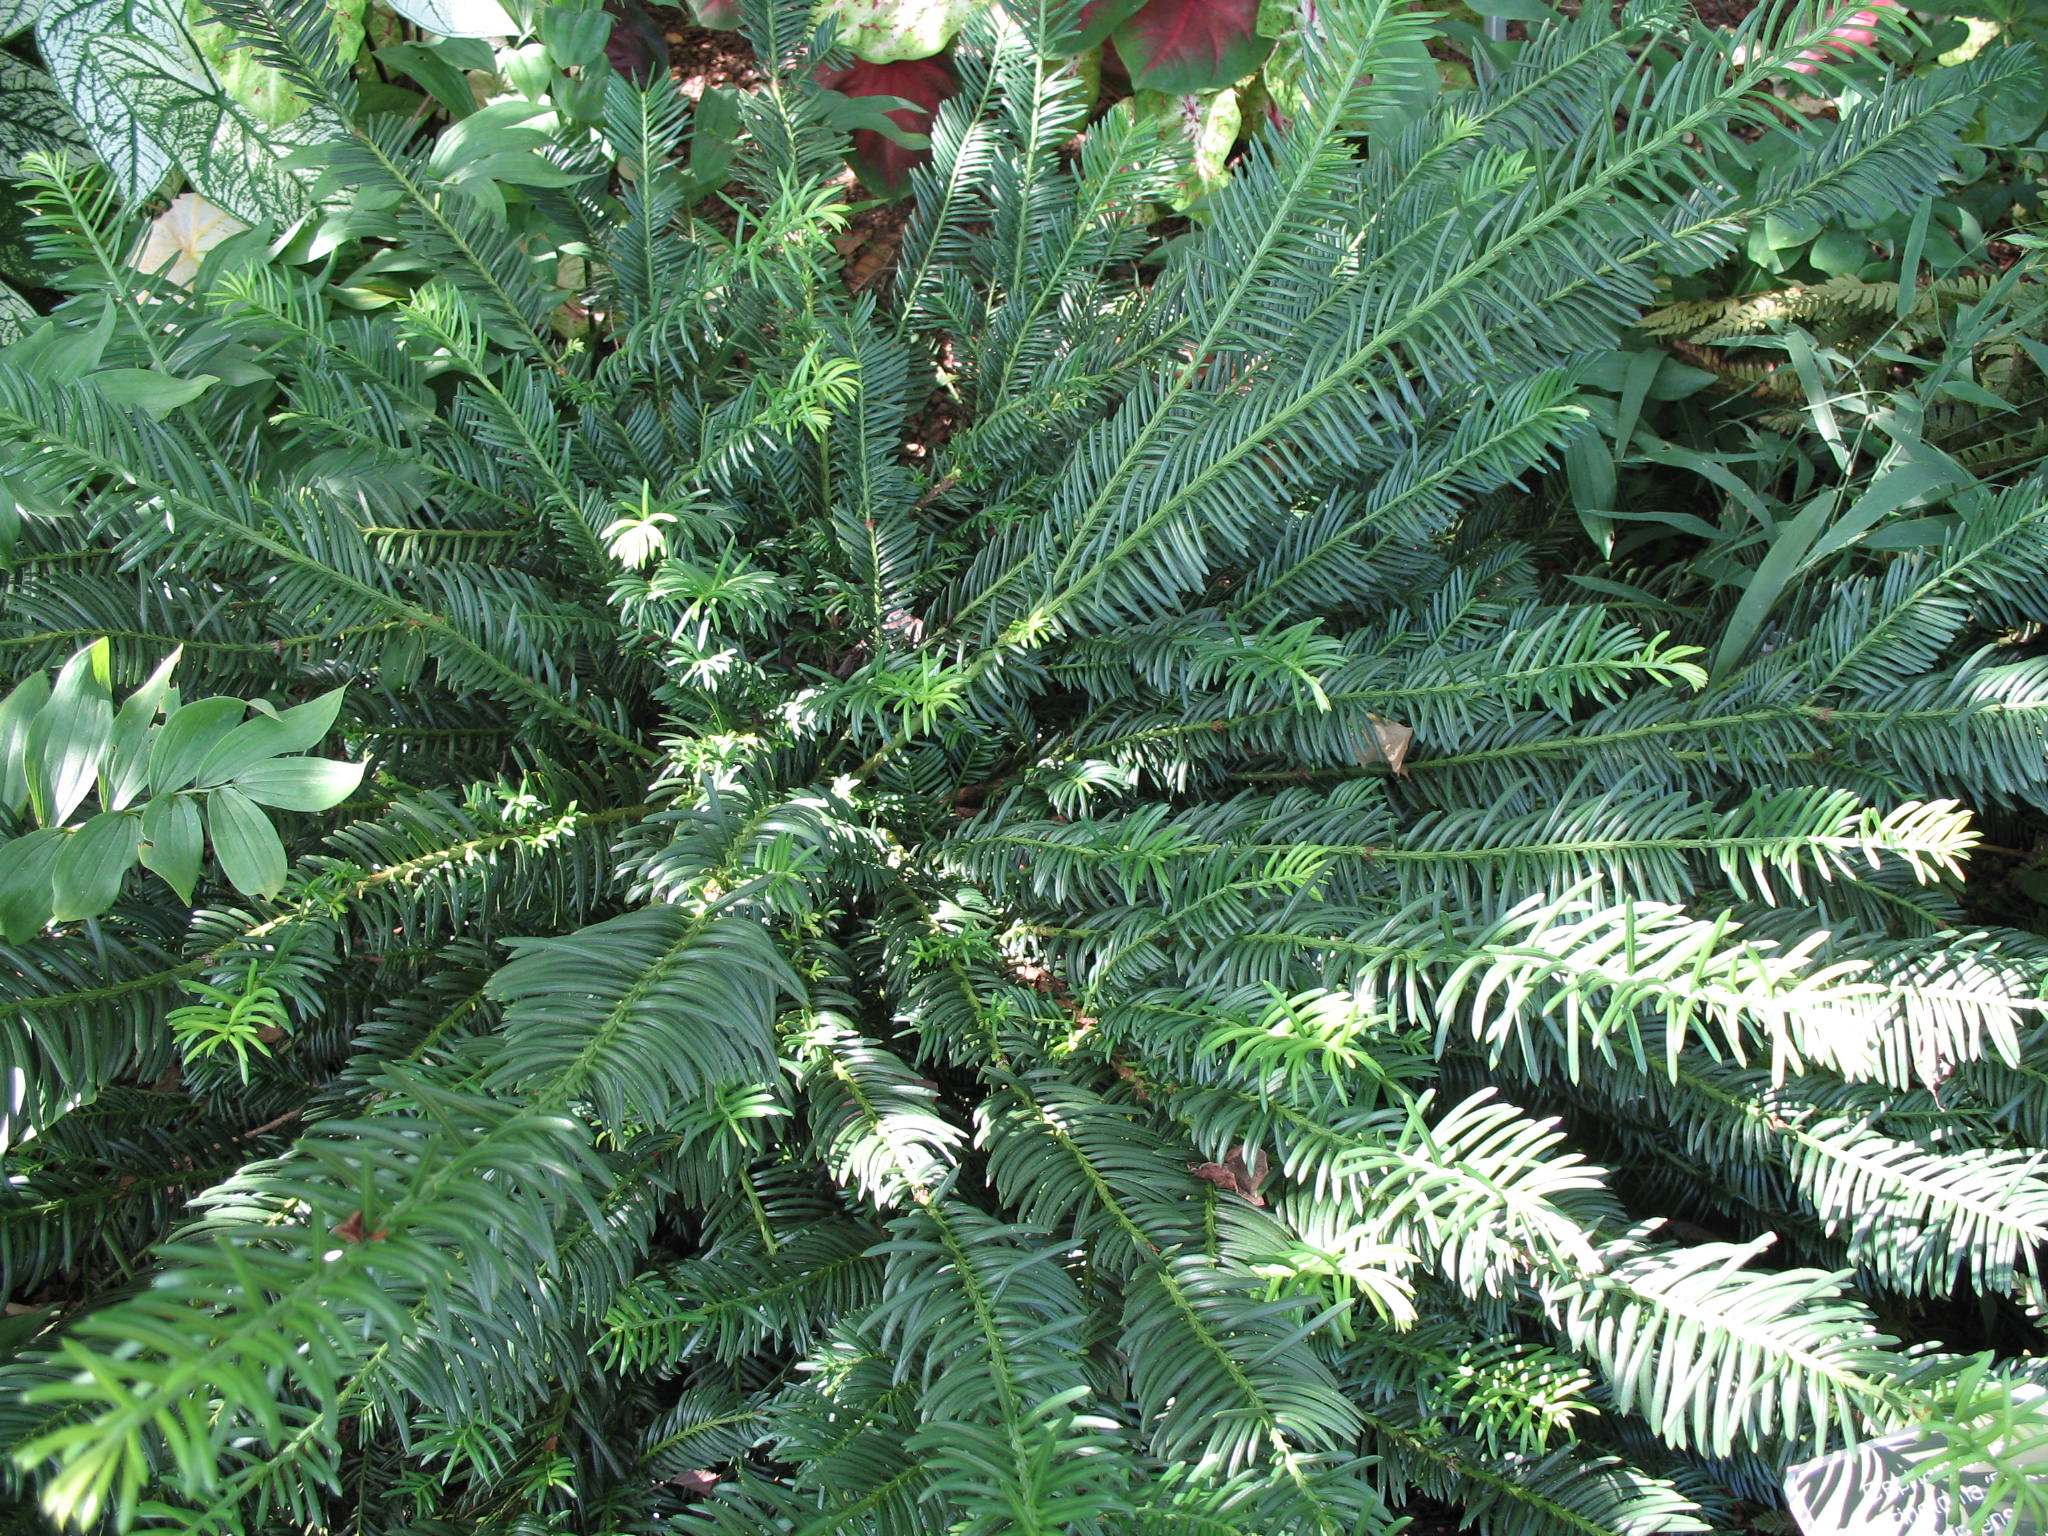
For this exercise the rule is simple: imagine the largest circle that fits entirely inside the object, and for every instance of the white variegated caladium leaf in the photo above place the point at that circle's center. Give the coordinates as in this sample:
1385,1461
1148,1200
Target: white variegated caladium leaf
18,16
16,315
883,31
33,116
149,105
459,18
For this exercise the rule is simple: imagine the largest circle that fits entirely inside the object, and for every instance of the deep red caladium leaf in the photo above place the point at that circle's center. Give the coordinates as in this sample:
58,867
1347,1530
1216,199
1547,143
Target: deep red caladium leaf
1182,46
884,164
637,47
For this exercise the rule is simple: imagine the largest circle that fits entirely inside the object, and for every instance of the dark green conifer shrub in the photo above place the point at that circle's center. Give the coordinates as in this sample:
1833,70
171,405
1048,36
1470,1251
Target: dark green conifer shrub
1146,964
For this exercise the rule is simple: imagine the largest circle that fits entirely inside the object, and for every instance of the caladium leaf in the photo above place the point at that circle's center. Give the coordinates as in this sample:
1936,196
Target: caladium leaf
178,239
1185,46
148,104
18,16
16,316
1201,129
458,18
266,94
884,164
637,47
885,31
33,116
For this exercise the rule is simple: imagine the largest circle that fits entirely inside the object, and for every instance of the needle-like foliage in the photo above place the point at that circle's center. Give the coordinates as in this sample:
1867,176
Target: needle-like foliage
1138,961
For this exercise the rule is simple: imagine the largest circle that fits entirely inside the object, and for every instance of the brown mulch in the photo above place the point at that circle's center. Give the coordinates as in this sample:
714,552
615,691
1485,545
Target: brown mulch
870,241
1723,13
699,58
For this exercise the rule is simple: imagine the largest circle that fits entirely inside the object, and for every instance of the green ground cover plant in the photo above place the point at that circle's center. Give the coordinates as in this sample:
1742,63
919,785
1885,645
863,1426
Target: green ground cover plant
1185,953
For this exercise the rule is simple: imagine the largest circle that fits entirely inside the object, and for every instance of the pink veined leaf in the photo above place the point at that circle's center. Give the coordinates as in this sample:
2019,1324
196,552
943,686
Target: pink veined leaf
884,164
1860,29
1183,46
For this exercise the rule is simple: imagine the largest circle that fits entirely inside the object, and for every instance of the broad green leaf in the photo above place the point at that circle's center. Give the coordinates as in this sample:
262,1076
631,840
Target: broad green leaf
1886,494
33,116
1838,251
440,78
61,352
172,842
250,853
16,711
1800,544
265,736
300,783
1909,259
458,18
155,394
1590,476
188,735
68,737
27,865
91,865
1781,562
127,770
500,128
574,37
1972,394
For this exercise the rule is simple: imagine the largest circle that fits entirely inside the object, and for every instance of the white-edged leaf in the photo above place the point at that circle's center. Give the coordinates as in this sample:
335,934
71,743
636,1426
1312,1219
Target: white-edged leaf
250,853
300,783
458,18
33,116
91,865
